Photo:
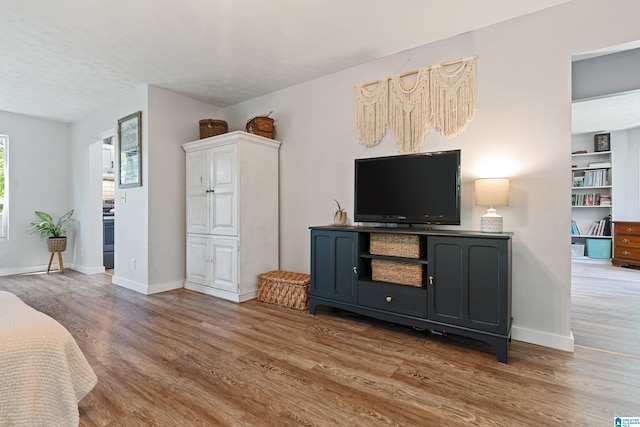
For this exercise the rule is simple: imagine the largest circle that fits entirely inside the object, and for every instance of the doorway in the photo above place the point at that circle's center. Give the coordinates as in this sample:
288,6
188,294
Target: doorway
107,197
599,291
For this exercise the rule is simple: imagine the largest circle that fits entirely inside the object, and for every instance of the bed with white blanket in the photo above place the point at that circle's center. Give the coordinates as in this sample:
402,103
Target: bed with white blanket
43,373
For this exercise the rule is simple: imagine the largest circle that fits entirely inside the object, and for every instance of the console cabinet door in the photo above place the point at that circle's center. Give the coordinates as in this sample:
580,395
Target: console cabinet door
468,282
334,258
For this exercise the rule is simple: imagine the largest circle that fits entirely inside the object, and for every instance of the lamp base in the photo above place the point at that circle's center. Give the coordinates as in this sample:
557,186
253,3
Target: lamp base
491,222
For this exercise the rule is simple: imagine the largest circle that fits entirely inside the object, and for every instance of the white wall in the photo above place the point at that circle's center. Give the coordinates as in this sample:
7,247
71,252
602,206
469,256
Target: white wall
633,184
626,174
131,237
149,220
39,165
523,124
173,120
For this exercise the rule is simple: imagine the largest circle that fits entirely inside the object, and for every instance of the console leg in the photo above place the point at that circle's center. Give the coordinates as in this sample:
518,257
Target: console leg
500,348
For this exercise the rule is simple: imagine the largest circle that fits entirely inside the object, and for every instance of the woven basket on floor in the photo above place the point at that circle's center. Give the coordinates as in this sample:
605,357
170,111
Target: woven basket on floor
284,288
404,273
400,245
57,244
210,127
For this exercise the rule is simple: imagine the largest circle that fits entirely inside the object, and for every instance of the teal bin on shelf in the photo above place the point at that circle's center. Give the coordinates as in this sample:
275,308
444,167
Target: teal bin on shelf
598,248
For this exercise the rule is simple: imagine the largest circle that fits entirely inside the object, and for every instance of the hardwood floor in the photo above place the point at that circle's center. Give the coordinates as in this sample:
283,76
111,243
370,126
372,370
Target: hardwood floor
605,309
180,358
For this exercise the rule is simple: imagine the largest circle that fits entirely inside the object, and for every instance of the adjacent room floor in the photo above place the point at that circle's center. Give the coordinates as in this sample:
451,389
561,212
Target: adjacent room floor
605,308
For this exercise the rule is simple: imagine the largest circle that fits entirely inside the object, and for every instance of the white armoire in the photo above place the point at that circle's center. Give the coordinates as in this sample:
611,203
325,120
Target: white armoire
232,213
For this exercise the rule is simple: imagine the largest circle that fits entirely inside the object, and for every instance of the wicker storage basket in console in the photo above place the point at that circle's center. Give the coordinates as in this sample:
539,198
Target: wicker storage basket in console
284,288
404,273
400,245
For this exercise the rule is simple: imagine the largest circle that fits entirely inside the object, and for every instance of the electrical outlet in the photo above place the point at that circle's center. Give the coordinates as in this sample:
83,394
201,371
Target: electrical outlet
133,263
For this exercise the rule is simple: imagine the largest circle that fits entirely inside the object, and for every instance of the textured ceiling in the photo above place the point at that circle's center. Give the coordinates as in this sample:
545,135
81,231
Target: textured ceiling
607,114
65,59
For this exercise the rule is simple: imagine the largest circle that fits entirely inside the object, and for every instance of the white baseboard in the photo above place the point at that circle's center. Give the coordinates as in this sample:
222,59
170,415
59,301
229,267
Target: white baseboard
559,342
164,287
24,270
144,288
231,296
87,270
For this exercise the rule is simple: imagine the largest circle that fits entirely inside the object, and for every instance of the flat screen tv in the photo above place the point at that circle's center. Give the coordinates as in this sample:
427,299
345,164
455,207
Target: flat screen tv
419,188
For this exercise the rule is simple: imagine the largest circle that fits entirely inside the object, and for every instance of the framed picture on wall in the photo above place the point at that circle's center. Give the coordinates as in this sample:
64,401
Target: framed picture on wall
602,142
130,150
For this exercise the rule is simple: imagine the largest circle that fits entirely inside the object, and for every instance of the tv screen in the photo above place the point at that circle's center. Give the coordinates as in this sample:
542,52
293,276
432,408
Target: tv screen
412,189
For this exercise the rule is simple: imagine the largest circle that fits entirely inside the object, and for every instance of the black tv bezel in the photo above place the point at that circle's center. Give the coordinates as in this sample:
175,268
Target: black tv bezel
416,219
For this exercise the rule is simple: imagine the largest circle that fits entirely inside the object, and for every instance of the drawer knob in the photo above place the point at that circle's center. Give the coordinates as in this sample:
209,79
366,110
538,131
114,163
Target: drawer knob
626,253
629,230
625,240
389,299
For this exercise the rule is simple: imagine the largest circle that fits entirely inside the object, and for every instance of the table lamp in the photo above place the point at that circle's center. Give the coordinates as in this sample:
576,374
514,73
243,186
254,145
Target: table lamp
492,192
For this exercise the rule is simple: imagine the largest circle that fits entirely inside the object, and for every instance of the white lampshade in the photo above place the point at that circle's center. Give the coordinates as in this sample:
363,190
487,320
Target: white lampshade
492,192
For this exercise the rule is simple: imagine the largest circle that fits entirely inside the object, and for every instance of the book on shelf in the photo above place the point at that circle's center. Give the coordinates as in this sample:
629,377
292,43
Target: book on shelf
593,178
590,199
575,228
600,164
601,227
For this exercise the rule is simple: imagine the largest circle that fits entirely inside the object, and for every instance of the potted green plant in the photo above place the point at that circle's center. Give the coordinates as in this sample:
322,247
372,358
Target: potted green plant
340,216
54,231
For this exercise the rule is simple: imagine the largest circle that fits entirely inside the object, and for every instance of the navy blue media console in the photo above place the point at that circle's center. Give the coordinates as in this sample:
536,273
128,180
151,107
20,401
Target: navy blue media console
464,288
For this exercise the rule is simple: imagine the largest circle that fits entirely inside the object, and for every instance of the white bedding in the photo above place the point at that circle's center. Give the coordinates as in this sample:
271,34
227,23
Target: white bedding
43,373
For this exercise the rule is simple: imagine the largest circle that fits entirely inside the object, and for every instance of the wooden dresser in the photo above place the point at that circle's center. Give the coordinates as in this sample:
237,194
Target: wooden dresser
626,243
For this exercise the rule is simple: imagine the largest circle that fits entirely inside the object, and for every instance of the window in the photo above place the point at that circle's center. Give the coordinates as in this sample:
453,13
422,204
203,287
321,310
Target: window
4,188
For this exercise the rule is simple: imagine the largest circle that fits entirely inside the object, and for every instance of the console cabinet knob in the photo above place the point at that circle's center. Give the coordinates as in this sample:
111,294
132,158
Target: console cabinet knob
355,270
389,299
431,280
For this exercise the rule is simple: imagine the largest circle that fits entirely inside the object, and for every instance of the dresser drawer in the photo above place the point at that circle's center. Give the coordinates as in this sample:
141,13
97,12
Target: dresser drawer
627,253
626,228
628,241
395,298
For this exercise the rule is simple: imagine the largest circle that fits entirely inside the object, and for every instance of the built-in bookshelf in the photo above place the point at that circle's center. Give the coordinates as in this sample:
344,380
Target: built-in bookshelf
591,203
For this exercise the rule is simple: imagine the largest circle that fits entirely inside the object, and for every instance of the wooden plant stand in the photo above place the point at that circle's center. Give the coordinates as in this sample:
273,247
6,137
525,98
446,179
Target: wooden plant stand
60,264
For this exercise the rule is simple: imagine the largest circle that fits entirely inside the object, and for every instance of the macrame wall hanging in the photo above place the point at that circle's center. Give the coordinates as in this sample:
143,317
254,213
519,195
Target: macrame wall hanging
410,110
444,95
453,96
371,111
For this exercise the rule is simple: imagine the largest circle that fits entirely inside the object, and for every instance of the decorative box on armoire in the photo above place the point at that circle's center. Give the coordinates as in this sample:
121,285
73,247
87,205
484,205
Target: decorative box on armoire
232,213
